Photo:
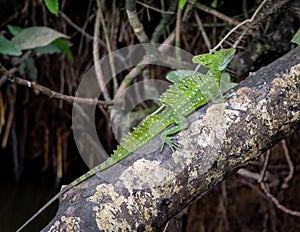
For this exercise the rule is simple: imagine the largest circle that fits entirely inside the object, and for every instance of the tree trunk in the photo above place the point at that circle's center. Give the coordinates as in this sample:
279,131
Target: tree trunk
145,190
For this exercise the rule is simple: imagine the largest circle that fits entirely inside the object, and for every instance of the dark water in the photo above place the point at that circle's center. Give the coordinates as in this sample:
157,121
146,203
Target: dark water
20,199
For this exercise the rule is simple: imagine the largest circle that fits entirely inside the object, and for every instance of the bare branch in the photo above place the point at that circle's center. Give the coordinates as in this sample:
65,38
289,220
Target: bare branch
50,93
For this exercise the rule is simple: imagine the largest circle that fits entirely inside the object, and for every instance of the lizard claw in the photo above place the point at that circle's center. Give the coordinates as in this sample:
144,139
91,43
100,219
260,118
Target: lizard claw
169,141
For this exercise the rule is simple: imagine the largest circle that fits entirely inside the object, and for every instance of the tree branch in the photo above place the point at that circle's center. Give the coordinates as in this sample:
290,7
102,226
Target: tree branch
49,92
145,190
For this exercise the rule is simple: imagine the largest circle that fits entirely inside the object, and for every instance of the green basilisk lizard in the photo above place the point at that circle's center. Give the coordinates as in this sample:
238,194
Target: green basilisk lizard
189,91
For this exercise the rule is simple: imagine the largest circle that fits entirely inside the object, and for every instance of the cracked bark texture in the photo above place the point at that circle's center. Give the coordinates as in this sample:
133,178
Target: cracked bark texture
145,190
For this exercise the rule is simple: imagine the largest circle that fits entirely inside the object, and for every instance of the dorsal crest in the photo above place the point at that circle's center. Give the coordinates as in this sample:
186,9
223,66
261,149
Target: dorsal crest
215,60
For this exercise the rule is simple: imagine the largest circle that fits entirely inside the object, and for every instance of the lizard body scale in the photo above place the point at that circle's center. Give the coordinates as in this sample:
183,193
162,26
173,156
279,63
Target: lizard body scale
179,100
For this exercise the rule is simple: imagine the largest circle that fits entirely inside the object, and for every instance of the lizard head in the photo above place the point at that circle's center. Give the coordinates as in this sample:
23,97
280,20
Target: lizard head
216,60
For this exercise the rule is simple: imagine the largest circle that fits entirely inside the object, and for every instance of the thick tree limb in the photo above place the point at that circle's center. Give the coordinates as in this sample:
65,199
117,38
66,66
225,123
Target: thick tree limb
146,190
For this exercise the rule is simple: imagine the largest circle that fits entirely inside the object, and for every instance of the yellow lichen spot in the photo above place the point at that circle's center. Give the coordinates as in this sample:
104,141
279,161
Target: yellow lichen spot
66,224
278,84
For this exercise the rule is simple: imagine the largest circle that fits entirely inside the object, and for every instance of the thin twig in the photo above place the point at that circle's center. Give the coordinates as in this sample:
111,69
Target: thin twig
110,57
216,13
258,177
166,226
178,33
240,25
202,30
59,153
113,18
12,91
62,79
245,11
290,163
277,203
165,20
96,56
155,9
249,174
51,93
83,32
137,69
224,206
86,22
134,21
2,112
263,173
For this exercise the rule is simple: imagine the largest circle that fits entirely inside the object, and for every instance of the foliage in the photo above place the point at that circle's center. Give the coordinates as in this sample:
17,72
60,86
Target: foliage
296,38
33,37
39,41
43,40
9,48
182,3
52,6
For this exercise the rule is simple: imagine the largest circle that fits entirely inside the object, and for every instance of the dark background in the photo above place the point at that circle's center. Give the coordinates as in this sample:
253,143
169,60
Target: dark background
29,174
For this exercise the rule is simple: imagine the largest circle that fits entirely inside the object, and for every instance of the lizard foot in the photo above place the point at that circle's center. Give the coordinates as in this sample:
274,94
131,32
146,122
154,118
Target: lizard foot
171,143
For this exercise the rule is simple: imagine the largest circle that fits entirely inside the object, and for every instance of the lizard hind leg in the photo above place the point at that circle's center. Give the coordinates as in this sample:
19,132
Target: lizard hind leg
181,124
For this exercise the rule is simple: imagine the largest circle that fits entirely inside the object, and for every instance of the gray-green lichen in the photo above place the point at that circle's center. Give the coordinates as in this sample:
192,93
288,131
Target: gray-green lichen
145,174
106,210
146,177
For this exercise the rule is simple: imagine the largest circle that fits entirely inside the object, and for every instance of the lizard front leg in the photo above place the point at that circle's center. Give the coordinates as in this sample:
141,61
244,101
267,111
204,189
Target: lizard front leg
181,124
217,93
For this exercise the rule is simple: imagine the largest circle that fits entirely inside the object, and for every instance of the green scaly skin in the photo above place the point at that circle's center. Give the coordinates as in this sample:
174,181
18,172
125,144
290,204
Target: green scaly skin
180,99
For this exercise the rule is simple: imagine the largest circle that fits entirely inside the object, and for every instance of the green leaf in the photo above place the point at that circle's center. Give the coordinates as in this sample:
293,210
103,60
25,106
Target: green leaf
214,4
296,38
52,6
182,3
178,75
14,30
48,49
28,68
8,48
33,37
31,68
58,46
65,45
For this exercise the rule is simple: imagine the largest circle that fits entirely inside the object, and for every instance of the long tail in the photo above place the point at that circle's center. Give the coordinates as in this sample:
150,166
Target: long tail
148,129
65,189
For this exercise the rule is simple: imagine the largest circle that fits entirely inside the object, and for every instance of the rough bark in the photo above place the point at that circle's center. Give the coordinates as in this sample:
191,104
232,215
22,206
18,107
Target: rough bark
145,190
